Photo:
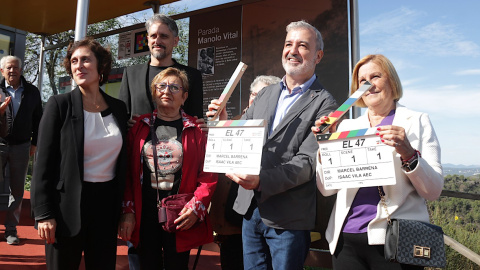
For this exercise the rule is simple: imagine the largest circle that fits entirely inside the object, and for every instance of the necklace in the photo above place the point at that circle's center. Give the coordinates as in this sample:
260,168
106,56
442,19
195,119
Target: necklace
92,106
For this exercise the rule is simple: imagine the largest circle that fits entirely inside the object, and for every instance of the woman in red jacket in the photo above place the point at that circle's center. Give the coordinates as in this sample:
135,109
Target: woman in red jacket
180,151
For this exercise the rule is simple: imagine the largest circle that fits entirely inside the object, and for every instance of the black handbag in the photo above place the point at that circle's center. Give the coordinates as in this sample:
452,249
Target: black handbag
413,242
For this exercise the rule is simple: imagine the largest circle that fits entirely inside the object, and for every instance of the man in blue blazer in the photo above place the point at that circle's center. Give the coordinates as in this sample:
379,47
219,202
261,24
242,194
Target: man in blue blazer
162,34
276,227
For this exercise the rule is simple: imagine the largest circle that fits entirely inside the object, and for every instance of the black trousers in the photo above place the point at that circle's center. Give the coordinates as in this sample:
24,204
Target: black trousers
157,248
98,234
354,253
231,251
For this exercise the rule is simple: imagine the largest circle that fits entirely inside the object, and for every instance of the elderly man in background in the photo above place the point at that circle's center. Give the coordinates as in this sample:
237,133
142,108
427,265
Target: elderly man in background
22,118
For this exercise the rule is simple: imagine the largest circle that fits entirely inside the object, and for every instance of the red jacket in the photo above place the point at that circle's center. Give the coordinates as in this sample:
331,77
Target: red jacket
194,179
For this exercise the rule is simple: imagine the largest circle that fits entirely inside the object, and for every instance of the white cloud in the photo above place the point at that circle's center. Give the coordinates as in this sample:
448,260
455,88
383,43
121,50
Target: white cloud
446,101
411,82
468,72
390,22
402,30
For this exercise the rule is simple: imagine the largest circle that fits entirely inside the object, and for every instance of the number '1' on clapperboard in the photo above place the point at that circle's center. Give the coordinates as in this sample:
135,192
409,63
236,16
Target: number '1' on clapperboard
356,158
234,146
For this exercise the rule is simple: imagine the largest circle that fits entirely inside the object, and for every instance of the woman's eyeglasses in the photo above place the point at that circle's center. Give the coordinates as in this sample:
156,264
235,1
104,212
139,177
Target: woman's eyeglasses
162,87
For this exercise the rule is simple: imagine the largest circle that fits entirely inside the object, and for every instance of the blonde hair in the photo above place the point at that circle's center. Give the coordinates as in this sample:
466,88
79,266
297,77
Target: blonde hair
171,71
387,68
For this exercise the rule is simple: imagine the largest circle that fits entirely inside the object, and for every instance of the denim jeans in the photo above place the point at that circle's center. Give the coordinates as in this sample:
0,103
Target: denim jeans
15,164
266,248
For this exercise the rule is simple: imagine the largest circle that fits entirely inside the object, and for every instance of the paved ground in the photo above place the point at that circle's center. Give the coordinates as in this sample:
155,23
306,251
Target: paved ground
30,254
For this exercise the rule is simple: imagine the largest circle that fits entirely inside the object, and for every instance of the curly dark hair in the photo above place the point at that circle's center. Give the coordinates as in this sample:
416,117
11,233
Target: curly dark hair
103,55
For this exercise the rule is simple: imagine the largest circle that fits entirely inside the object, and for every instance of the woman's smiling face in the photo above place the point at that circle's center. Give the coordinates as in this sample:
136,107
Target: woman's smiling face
382,93
84,67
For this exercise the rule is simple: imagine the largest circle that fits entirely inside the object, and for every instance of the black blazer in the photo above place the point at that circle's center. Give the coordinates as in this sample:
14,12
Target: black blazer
58,174
24,127
135,90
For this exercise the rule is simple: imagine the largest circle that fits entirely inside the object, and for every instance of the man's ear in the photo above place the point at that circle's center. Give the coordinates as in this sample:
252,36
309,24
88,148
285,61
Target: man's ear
176,40
318,56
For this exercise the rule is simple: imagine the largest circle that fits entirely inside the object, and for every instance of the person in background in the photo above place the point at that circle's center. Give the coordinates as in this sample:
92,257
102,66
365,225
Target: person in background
3,119
79,176
227,223
23,114
278,220
162,35
3,132
162,38
205,62
357,226
258,84
179,170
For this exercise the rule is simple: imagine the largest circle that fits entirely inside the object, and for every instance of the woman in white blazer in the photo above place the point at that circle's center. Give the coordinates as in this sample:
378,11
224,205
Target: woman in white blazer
357,225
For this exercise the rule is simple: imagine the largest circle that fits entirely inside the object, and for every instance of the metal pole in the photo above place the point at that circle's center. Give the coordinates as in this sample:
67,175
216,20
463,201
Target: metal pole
355,44
81,23
154,4
40,63
81,20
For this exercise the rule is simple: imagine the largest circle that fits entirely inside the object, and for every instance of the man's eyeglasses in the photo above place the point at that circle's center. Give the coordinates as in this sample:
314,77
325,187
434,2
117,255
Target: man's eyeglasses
162,87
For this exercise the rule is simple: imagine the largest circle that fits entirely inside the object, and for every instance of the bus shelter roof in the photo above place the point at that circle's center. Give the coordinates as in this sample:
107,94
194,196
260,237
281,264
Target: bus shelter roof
47,17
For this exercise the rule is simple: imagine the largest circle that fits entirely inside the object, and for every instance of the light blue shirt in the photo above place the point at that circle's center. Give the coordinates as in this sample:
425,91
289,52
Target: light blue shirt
16,96
286,100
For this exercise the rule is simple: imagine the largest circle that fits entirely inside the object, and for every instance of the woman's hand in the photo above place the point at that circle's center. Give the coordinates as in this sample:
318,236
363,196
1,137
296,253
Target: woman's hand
126,226
46,230
213,108
395,136
319,122
186,220
201,124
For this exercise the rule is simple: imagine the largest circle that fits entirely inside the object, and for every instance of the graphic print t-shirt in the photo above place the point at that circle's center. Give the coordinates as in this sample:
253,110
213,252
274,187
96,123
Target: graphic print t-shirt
170,160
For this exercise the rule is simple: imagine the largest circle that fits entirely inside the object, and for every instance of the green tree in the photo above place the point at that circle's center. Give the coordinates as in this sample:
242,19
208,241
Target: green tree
53,58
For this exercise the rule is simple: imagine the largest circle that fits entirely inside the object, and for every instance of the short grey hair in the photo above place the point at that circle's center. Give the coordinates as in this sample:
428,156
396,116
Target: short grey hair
162,18
9,58
268,80
304,25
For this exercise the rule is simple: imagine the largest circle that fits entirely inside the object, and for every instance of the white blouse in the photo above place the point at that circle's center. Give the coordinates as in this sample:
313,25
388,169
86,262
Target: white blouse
102,144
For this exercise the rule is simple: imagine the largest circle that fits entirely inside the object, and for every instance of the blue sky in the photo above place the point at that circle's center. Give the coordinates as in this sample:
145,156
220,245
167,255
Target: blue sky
435,46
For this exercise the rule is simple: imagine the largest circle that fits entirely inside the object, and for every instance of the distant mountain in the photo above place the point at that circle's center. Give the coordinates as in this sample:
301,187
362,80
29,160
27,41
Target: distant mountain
460,166
460,169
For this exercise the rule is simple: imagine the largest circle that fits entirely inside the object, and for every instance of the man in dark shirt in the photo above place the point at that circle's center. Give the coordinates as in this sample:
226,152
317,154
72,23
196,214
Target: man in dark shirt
162,33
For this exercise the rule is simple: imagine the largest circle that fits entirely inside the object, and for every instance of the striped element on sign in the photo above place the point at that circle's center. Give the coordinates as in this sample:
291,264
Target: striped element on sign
348,103
236,123
347,134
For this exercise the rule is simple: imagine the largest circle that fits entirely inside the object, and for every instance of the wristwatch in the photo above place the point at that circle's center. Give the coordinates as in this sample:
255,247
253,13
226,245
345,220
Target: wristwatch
410,164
